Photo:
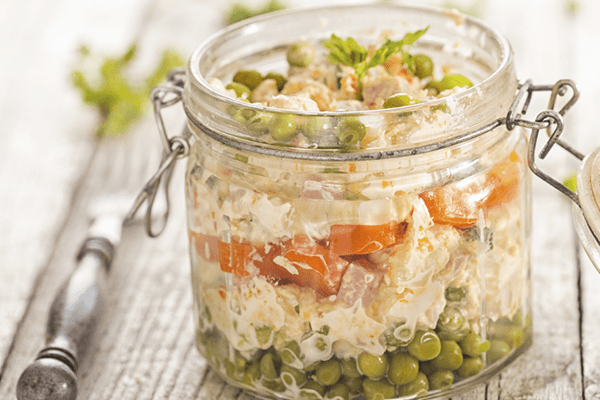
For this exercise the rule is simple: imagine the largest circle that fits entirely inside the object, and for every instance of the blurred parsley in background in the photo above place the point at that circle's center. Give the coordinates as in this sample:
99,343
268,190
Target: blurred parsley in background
239,11
120,100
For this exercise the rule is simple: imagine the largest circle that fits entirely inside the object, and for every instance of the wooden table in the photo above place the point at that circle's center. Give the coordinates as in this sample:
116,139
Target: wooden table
144,348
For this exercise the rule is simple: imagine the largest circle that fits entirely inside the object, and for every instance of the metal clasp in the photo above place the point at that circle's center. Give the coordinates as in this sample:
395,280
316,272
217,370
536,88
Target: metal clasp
549,119
174,148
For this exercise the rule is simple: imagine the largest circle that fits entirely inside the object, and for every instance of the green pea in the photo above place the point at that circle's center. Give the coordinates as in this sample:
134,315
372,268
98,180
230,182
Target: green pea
312,367
231,370
201,337
473,346
419,386
268,368
291,375
249,78
423,65
242,115
274,385
240,89
512,335
452,324
450,357
283,127
301,54
217,347
328,372
339,391
239,361
451,81
425,345
470,367
441,380
311,127
311,386
498,349
427,368
372,366
263,334
290,353
354,384
523,322
455,294
281,81
403,368
378,389
400,100
260,123
252,374
448,82
349,368
321,344
350,131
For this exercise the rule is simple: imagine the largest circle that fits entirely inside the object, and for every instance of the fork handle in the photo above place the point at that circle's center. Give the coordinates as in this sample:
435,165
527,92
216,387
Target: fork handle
73,316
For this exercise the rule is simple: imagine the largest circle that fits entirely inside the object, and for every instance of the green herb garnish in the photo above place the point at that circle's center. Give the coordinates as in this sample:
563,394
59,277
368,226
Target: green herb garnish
571,182
120,100
348,52
238,11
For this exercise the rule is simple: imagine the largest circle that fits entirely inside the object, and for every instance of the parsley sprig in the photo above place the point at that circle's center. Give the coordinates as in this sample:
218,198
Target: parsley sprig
120,99
348,52
240,11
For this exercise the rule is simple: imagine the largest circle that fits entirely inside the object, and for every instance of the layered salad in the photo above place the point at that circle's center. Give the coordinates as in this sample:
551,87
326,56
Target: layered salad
340,281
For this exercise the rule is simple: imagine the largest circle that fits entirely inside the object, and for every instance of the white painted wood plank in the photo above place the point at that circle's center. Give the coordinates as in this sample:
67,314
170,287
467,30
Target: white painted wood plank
46,132
144,348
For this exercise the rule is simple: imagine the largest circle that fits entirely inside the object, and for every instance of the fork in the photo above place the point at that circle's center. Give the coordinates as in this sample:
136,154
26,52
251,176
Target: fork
123,164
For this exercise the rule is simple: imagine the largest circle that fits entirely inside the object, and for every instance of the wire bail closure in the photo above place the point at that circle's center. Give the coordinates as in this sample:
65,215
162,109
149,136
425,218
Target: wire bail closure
178,147
174,148
552,121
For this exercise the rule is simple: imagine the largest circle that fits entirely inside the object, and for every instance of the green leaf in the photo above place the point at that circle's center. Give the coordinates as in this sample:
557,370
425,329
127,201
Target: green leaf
571,182
120,100
383,53
348,52
239,11
410,38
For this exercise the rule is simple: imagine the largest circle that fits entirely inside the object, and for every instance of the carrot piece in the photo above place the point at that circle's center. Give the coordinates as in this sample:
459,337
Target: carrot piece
454,204
234,256
301,261
207,246
316,266
459,203
364,239
505,181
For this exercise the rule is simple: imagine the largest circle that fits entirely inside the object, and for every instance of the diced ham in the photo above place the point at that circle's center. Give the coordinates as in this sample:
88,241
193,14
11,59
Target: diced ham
378,88
359,283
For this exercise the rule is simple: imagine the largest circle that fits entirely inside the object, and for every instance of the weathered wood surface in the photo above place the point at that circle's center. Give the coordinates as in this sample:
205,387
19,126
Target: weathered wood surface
144,346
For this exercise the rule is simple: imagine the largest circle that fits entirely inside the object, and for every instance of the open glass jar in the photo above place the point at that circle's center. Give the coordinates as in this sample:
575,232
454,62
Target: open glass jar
395,266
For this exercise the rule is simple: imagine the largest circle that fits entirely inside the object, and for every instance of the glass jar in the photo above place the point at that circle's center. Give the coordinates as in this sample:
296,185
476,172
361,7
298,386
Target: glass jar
398,265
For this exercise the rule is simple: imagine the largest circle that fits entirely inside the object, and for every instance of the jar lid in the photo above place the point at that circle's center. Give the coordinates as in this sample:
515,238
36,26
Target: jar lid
587,217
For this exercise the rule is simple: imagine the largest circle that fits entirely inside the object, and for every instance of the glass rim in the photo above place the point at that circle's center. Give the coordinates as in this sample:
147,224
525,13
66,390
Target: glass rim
200,51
